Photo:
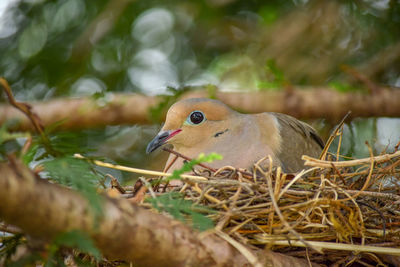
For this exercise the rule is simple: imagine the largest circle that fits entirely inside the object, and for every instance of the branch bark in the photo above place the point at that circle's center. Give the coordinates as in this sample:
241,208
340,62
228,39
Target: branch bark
125,231
133,108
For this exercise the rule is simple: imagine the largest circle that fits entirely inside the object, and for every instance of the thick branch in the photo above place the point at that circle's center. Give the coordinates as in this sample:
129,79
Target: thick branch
133,108
86,112
125,231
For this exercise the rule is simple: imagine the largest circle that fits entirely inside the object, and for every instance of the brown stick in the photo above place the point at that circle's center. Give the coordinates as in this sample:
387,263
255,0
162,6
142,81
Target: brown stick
30,115
23,107
115,184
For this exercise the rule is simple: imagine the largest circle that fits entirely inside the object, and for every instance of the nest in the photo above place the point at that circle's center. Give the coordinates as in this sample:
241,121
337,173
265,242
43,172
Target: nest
335,211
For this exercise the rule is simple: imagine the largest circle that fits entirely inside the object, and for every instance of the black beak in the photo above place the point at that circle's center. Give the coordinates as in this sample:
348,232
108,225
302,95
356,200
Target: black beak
158,141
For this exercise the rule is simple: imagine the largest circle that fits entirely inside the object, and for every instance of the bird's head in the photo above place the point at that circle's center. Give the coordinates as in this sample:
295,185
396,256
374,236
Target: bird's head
192,121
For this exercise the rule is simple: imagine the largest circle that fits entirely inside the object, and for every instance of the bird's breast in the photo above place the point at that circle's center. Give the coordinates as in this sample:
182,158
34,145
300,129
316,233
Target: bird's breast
241,154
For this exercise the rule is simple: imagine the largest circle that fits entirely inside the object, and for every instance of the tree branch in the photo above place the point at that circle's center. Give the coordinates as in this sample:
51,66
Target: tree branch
133,108
125,231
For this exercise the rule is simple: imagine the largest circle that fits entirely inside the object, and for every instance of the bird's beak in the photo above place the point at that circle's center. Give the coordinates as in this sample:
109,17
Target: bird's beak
160,139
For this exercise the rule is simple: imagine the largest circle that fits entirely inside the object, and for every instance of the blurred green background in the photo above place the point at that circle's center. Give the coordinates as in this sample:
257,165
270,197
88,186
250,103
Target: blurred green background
79,48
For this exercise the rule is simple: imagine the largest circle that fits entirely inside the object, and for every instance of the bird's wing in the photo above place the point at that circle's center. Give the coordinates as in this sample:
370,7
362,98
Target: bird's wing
300,127
297,139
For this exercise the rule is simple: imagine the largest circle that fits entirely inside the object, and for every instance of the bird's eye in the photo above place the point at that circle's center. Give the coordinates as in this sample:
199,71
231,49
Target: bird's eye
196,117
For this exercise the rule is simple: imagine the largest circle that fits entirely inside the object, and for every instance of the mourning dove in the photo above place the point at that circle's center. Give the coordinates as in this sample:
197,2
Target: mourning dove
201,125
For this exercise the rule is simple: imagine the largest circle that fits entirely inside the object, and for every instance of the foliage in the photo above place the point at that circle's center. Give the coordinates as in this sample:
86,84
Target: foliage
342,87
73,239
5,135
54,256
76,174
27,260
157,113
52,48
79,240
174,204
277,79
8,245
188,166
62,168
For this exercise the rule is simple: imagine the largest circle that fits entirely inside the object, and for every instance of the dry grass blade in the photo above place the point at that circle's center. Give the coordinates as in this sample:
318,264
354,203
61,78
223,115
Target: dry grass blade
337,246
333,136
312,162
139,171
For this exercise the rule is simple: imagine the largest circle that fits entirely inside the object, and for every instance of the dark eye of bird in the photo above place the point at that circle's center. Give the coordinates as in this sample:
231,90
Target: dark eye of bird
196,117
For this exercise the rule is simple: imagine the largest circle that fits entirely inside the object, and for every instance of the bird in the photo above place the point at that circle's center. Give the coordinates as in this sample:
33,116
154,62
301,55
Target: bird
201,125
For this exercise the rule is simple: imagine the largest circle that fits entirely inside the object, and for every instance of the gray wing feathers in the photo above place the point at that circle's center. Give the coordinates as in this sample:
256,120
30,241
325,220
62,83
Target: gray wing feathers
300,127
297,139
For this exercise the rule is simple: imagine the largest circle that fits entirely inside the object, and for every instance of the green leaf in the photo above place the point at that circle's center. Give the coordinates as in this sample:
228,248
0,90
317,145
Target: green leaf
8,245
69,143
342,87
176,174
79,240
278,74
211,91
275,78
183,210
269,13
174,204
28,260
5,135
156,113
201,222
29,156
78,175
